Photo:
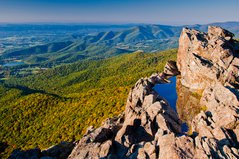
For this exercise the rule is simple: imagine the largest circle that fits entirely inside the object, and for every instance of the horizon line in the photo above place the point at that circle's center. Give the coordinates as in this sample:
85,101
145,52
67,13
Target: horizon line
111,23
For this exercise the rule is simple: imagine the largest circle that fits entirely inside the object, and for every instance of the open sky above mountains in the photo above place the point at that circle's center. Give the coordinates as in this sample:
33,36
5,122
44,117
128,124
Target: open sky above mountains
119,11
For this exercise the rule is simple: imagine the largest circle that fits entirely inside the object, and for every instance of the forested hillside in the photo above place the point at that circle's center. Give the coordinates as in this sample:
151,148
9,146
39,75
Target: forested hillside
60,103
98,45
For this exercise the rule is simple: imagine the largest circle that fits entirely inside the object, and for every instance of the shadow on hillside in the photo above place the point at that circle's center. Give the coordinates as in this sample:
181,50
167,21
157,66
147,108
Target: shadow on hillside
59,151
3,146
27,91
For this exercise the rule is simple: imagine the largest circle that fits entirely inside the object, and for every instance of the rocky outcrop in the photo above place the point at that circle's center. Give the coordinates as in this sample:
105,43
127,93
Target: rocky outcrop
207,58
209,64
139,131
170,69
217,127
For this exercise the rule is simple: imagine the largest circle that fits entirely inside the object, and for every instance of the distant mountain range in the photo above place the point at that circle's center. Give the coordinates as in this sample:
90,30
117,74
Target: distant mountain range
149,38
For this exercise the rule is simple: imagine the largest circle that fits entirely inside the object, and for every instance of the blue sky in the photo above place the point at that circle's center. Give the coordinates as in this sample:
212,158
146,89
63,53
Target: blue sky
119,11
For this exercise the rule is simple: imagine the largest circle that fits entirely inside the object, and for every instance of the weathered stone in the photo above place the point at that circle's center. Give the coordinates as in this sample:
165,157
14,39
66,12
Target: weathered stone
214,32
171,69
105,149
203,59
167,147
208,64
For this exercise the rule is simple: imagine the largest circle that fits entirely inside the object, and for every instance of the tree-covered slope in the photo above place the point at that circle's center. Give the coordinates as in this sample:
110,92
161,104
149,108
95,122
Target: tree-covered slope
60,103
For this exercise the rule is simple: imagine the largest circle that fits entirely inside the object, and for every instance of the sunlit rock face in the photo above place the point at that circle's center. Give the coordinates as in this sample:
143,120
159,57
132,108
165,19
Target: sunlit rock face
206,58
208,91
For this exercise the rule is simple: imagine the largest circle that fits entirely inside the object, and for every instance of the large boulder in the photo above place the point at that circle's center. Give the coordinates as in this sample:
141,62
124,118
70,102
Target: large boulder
207,58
